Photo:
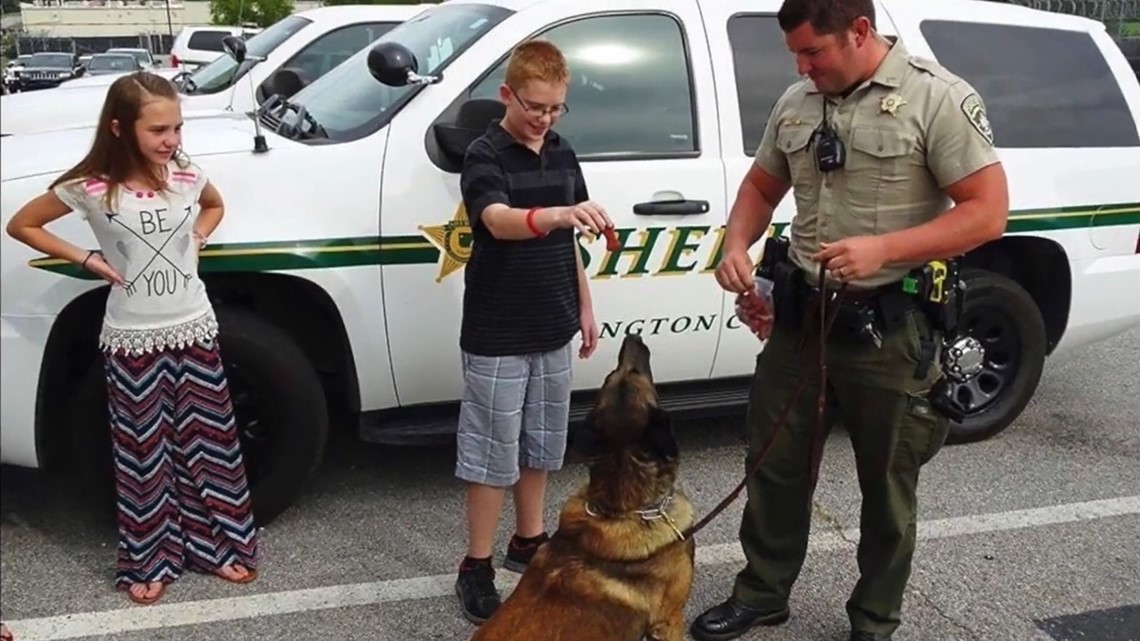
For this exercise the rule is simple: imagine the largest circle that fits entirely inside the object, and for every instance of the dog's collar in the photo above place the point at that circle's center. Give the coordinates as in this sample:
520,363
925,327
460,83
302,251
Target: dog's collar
656,511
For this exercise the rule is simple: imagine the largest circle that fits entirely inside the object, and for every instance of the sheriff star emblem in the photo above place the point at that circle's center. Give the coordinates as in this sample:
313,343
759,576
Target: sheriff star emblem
891,103
453,239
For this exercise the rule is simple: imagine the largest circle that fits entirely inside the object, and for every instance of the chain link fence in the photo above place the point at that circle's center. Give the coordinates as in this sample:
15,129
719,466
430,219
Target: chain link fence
156,44
1120,17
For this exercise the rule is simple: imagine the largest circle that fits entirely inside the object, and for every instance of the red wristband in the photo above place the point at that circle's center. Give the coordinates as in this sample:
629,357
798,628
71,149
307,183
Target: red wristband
530,221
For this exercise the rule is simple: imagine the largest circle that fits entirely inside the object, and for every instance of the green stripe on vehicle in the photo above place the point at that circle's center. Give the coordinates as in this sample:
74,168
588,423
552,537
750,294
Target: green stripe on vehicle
419,250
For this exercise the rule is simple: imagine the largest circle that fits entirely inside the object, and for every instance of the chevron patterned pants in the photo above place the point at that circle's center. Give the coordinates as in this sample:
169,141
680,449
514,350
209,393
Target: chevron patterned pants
183,498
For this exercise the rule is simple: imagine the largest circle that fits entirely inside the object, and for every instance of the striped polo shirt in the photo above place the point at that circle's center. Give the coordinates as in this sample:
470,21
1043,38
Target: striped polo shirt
521,296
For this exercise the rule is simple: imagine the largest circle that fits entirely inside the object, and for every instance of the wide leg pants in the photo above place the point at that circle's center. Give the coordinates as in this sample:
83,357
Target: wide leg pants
183,498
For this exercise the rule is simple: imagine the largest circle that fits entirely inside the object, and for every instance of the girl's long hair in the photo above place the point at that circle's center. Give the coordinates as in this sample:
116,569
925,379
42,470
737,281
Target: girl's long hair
112,158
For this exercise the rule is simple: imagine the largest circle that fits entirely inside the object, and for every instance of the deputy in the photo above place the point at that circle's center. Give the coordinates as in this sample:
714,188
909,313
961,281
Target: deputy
876,143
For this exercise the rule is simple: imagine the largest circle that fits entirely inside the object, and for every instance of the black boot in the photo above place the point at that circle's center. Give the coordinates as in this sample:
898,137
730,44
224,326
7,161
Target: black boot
732,619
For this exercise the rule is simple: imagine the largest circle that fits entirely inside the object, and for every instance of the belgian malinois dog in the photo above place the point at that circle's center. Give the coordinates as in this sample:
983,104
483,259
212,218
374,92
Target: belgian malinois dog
617,568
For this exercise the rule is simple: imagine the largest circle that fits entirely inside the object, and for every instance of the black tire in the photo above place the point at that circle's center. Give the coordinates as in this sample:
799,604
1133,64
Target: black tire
1000,314
279,406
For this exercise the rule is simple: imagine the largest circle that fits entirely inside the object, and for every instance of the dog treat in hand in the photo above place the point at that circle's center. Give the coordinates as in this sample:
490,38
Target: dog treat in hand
755,308
612,243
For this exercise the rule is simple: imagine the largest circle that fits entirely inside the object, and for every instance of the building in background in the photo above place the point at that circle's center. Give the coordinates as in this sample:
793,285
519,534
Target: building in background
93,26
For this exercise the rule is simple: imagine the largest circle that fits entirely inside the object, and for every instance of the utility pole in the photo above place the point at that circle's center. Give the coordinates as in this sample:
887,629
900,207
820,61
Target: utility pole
170,23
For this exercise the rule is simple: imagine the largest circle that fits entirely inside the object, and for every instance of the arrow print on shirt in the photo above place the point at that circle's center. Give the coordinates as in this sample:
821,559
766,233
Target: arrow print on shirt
113,217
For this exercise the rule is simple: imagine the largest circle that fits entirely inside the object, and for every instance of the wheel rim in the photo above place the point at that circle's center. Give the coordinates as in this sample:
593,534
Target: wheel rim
997,333
254,432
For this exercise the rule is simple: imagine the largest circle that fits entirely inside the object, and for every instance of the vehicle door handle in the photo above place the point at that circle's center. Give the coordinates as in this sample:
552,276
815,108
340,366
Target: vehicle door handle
671,207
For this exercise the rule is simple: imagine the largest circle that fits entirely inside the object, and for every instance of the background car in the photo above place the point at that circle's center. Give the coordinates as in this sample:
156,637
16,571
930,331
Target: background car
103,64
47,69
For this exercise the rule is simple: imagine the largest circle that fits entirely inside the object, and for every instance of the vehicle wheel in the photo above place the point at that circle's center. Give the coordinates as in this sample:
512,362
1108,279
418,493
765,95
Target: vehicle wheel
1006,355
279,407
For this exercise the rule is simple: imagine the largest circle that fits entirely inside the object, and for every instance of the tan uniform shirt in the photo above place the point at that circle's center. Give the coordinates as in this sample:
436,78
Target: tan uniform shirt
910,131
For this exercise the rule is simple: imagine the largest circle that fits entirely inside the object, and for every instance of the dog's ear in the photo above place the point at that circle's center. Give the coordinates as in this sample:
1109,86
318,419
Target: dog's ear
659,438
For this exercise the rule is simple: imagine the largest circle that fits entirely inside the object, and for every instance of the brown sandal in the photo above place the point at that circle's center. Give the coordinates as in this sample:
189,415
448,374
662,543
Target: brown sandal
5,633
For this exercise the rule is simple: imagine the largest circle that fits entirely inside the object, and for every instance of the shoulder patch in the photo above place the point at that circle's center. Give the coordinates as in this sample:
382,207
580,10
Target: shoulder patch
976,113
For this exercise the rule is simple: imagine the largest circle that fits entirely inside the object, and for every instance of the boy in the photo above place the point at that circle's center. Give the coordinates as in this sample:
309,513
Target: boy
525,297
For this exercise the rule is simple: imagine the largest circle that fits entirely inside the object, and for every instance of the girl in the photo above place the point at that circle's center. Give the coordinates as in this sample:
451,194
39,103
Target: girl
183,500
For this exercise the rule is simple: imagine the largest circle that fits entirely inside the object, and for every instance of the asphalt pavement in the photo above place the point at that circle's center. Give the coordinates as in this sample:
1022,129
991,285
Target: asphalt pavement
1033,535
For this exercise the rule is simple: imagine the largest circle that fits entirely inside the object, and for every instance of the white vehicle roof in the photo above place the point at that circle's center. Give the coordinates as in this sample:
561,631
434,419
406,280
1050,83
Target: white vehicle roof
354,12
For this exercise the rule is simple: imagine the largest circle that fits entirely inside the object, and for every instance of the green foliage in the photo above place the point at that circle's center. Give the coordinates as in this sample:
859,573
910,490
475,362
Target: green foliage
259,12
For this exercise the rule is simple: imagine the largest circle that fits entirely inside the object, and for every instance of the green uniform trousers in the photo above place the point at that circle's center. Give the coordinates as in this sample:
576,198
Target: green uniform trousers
894,432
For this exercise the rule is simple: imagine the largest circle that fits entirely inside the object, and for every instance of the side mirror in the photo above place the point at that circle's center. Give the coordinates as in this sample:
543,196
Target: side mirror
234,48
473,119
392,63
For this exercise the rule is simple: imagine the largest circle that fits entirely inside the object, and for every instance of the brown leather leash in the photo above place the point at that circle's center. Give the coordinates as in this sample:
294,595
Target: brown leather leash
818,438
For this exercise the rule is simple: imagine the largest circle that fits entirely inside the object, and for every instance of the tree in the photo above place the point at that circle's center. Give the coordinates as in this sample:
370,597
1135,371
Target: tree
259,12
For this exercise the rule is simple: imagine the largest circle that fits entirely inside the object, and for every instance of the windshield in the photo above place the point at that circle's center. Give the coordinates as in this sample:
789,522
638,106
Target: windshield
349,103
112,63
222,72
61,60
142,56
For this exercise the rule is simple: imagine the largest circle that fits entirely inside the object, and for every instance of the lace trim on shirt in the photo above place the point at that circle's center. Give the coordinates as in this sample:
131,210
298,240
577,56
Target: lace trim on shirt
143,341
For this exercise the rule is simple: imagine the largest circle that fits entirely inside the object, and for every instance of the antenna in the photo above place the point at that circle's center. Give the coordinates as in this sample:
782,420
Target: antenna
259,144
233,89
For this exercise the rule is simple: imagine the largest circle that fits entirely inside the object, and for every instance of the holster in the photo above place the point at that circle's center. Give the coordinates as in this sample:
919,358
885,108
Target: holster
789,293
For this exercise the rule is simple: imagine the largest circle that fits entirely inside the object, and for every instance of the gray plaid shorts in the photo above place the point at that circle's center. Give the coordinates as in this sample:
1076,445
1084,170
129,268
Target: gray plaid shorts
515,413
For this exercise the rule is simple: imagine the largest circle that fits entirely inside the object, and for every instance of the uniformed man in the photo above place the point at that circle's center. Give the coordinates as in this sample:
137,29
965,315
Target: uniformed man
892,163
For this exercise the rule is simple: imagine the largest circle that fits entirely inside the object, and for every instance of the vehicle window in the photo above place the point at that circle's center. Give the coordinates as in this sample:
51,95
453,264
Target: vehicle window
348,102
321,55
223,71
630,90
61,60
1042,87
207,40
764,69
112,63
142,56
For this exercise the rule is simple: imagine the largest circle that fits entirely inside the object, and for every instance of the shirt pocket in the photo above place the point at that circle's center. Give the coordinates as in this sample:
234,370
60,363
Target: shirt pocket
795,143
879,171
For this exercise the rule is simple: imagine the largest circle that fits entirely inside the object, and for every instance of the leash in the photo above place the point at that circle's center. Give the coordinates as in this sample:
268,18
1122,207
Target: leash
818,440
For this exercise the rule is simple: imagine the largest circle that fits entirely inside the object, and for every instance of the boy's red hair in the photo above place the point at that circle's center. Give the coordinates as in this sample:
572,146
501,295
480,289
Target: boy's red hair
537,60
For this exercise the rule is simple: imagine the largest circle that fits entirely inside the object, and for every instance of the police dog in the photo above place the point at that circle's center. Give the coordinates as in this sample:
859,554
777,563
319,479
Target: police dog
617,568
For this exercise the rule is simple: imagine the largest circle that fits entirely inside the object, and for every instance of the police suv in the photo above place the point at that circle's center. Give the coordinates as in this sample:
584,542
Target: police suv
337,272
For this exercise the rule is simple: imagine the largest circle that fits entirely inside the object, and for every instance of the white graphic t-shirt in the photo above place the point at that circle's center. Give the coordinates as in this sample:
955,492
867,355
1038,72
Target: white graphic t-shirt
149,241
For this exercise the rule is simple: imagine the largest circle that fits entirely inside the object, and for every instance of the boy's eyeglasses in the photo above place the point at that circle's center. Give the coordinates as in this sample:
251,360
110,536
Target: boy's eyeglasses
556,111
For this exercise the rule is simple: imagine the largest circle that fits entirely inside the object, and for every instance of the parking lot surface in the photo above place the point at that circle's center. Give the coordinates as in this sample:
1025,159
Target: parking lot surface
1032,535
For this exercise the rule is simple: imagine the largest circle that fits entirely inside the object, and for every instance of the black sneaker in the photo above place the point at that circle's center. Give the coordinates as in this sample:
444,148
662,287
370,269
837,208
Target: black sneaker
521,551
476,589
